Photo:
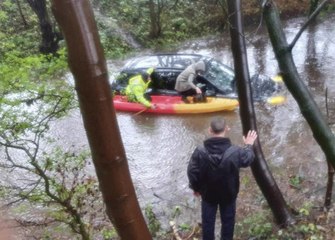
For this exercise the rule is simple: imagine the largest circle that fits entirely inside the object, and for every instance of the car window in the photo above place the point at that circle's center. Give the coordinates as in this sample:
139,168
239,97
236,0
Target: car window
183,61
163,61
220,75
143,62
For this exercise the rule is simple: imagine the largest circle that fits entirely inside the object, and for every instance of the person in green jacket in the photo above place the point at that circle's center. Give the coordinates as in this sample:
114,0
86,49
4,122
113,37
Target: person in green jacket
137,87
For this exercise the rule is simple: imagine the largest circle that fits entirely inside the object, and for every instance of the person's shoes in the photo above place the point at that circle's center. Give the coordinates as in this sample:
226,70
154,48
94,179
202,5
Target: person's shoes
199,98
185,100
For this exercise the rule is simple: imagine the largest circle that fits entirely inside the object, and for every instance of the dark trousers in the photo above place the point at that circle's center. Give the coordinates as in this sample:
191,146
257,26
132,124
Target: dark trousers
208,215
185,94
190,92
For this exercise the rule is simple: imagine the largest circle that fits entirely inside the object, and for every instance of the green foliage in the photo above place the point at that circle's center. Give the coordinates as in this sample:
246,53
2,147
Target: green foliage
53,180
109,234
305,209
153,223
26,87
245,180
18,33
179,21
113,45
192,20
176,211
257,225
185,227
260,226
300,231
27,71
295,181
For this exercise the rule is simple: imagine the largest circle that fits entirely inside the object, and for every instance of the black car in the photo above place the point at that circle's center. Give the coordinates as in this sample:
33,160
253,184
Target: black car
218,79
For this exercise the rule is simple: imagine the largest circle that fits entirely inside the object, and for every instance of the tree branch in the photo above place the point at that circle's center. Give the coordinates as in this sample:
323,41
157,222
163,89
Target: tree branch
310,19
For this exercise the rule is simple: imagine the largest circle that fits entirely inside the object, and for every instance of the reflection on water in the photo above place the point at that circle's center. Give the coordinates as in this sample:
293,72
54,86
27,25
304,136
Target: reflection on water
158,147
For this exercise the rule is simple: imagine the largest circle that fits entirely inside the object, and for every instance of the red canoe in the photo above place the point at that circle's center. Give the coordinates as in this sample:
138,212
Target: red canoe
174,105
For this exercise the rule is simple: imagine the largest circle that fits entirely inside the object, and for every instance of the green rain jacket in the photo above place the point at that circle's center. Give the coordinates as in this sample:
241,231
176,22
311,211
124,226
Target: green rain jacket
136,89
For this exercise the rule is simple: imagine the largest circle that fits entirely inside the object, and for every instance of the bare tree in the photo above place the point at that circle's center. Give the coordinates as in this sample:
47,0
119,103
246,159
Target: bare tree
308,107
260,169
49,178
88,65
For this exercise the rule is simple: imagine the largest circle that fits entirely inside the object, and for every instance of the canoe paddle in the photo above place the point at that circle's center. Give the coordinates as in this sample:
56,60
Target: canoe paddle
139,112
143,110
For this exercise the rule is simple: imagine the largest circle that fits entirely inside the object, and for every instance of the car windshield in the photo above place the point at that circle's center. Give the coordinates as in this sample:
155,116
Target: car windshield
142,62
168,66
220,75
163,61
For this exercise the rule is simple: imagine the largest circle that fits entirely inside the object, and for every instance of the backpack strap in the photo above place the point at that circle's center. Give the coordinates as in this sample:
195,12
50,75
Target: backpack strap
229,151
226,154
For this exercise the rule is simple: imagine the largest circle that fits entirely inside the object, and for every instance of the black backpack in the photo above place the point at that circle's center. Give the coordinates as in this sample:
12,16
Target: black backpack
226,155
218,177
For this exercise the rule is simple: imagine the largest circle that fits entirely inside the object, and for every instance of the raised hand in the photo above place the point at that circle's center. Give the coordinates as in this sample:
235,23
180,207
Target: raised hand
250,138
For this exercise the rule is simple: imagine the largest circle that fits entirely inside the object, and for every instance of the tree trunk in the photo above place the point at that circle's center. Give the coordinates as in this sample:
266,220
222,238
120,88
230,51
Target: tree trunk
329,188
88,65
313,4
331,171
50,38
155,29
259,168
308,107
25,24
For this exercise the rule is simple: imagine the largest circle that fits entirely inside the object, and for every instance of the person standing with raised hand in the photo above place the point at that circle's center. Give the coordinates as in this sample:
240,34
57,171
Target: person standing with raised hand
213,173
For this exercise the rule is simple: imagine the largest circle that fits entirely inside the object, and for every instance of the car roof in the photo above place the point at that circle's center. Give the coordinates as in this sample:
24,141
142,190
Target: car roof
164,60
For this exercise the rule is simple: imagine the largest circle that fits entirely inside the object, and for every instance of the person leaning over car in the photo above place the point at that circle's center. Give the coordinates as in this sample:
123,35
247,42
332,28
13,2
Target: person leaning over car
185,80
213,173
137,87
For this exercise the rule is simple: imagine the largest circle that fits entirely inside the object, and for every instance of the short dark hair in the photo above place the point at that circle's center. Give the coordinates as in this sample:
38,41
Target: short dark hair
218,125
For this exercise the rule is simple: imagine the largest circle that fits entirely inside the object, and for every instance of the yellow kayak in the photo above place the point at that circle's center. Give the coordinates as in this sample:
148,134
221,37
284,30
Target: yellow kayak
175,105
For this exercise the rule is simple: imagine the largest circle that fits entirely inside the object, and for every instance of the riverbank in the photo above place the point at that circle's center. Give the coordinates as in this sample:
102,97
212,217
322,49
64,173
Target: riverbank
287,9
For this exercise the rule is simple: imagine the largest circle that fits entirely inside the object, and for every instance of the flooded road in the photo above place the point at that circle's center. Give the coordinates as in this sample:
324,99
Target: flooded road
158,147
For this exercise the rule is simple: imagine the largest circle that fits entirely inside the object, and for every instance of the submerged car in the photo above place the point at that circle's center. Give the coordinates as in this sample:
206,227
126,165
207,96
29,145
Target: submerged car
219,79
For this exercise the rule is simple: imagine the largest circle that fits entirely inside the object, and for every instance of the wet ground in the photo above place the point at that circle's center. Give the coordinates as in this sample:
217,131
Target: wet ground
158,147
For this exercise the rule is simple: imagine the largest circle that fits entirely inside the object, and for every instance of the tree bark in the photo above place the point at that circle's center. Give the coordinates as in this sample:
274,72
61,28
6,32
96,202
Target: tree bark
25,24
331,171
50,38
308,107
88,65
313,4
155,28
259,168
329,188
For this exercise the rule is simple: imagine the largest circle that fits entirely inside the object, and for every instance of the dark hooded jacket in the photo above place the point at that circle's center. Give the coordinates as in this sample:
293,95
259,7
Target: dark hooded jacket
214,176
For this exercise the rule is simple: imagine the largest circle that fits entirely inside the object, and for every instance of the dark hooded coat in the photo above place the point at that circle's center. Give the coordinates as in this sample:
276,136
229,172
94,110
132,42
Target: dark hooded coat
214,176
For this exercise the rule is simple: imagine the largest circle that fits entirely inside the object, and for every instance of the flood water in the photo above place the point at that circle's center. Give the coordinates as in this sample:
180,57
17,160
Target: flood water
158,147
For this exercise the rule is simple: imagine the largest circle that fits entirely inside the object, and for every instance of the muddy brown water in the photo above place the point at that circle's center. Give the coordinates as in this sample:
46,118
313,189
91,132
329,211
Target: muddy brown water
158,147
